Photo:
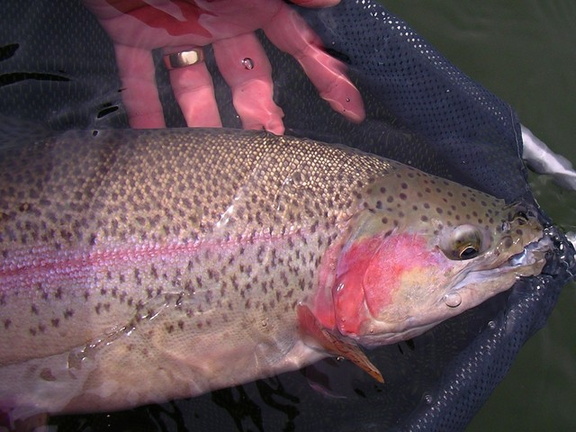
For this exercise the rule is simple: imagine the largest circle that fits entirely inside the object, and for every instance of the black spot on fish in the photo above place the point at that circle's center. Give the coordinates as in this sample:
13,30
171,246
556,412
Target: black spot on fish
209,297
24,207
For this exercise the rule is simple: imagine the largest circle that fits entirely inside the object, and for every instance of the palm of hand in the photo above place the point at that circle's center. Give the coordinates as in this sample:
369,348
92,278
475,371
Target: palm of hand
175,23
136,28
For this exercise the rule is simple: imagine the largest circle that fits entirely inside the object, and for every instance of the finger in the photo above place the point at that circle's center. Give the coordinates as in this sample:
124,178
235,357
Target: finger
194,91
290,33
245,67
316,3
139,92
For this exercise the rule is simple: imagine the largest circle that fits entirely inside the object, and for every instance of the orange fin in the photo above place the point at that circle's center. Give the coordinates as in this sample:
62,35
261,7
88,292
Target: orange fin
335,345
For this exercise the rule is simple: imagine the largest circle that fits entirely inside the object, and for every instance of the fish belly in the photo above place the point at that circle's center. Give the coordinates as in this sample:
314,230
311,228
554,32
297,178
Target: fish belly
155,323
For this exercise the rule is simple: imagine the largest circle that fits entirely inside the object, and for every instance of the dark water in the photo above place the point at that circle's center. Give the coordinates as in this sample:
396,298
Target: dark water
524,51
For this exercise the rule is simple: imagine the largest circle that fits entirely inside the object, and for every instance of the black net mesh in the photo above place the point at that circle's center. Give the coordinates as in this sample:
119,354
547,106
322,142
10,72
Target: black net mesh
57,66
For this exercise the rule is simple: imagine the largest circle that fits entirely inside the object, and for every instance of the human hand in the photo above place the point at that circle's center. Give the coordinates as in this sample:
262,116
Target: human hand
137,27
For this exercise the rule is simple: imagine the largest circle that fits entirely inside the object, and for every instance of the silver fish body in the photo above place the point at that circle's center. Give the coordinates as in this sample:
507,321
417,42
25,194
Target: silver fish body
140,266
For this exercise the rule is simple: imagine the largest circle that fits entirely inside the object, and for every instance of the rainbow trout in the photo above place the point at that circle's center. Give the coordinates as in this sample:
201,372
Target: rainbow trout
140,266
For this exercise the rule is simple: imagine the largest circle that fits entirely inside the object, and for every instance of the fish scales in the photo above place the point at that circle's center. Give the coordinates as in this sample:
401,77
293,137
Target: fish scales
109,229
175,256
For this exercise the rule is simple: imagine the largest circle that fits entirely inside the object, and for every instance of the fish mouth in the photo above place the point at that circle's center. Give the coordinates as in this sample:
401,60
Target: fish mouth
532,253
524,263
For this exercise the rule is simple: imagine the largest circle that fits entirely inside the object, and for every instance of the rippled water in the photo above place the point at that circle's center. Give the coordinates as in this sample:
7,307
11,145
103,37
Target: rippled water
524,52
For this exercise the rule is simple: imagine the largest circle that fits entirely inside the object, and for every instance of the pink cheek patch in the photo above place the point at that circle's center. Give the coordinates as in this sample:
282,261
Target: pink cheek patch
370,272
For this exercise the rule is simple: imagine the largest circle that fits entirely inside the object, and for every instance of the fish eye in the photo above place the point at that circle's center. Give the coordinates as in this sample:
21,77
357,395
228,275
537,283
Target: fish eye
468,252
463,243
521,215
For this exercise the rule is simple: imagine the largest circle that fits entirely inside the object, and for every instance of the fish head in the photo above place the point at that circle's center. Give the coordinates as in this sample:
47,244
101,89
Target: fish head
417,257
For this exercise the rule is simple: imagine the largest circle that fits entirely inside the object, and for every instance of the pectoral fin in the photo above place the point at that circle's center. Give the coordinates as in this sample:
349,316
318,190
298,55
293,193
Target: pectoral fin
334,344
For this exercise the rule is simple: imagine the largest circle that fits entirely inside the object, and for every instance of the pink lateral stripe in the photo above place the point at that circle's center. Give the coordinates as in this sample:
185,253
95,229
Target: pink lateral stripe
44,263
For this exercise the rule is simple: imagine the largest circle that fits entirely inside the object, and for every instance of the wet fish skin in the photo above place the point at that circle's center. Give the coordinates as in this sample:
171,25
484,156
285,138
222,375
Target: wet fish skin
139,266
